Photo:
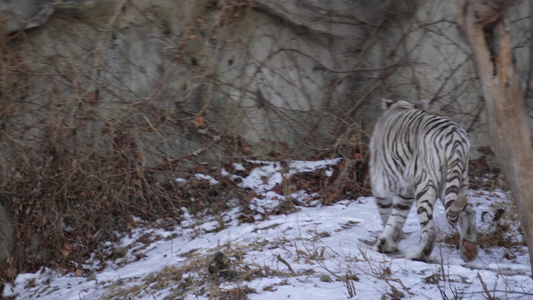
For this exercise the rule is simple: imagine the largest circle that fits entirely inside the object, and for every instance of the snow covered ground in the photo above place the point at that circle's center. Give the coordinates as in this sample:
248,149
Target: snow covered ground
318,252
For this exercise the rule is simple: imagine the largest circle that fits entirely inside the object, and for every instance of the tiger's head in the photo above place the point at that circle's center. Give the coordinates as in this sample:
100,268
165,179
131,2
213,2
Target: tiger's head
422,104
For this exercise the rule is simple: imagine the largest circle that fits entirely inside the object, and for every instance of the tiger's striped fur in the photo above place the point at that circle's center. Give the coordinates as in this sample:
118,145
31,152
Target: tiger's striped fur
418,155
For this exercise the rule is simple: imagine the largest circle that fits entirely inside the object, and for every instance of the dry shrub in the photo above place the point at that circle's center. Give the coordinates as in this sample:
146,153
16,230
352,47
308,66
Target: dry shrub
67,201
64,201
350,178
72,173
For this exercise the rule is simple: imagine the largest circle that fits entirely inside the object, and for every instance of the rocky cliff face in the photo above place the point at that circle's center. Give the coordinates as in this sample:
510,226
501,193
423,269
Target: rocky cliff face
267,75
198,82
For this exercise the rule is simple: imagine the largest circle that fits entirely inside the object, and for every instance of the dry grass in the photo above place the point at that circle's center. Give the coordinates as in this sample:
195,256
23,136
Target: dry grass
201,275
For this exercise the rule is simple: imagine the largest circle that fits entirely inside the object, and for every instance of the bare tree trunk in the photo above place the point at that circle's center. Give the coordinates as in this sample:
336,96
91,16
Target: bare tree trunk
485,28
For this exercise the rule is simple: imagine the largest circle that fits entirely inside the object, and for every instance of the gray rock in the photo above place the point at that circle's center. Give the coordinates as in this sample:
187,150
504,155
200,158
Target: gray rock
25,14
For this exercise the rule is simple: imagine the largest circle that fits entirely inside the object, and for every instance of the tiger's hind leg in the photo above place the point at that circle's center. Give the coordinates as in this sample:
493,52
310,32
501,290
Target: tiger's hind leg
468,241
425,200
467,221
457,209
393,213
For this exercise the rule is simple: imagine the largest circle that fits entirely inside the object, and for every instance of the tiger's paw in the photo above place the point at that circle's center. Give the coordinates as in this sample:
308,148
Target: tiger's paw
386,245
468,250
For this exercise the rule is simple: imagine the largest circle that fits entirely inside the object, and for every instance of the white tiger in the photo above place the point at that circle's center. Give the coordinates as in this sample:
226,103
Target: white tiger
419,155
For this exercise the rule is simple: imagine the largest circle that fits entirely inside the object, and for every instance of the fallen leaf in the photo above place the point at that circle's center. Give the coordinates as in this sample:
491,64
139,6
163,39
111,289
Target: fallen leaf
140,255
11,271
66,250
93,98
277,189
247,150
199,122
